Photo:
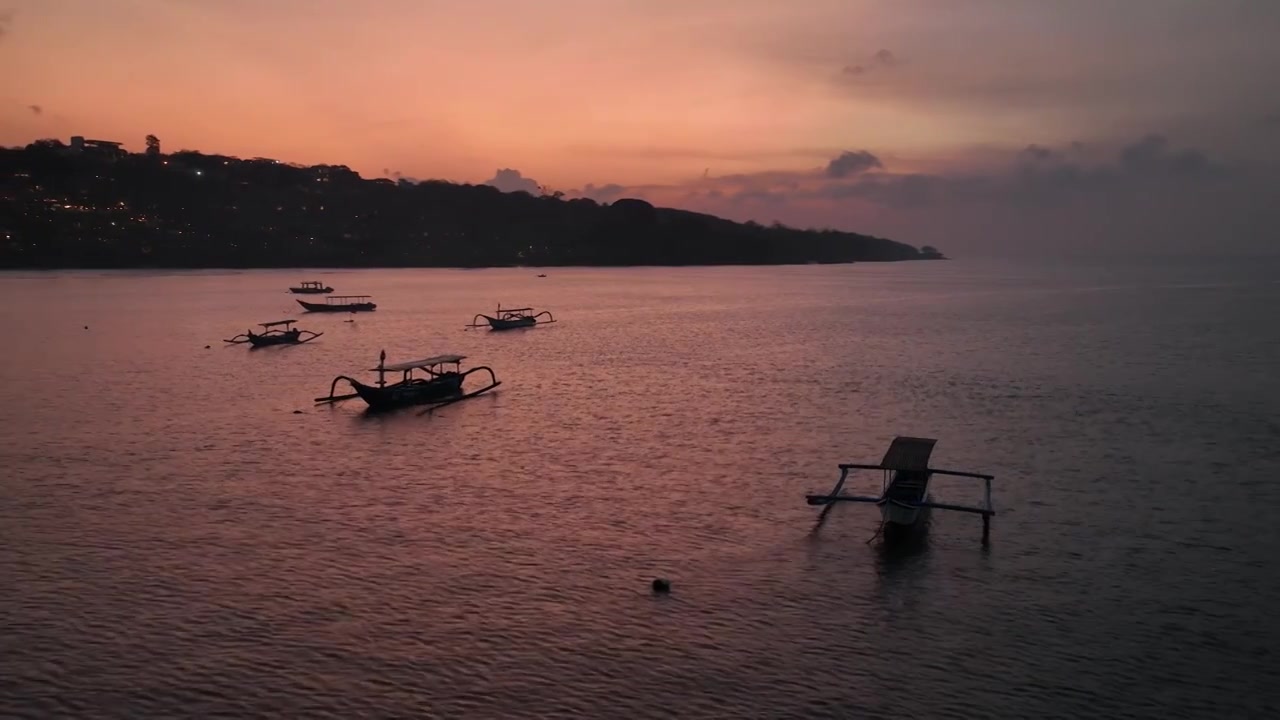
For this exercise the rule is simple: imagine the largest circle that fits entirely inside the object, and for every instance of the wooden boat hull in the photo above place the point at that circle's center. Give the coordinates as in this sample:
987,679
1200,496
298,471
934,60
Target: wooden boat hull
283,338
326,307
510,324
907,488
893,514
399,395
310,291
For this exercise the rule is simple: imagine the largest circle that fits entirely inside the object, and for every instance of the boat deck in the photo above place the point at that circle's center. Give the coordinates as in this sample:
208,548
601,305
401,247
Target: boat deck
908,486
908,457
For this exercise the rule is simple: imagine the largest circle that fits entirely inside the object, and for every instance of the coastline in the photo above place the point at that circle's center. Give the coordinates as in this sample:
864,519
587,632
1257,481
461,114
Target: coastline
418,266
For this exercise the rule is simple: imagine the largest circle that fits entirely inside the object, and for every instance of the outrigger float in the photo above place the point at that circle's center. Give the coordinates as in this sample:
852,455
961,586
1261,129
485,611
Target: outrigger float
341,303
512,318
311,287
272,334
903,500
441,386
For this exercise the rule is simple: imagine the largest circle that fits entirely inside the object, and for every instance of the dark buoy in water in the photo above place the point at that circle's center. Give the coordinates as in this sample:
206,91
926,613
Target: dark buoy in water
661,586
206,347
86,327
297,412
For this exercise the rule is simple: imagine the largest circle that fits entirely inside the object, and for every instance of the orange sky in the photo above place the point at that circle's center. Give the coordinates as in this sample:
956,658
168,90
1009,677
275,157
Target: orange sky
637,92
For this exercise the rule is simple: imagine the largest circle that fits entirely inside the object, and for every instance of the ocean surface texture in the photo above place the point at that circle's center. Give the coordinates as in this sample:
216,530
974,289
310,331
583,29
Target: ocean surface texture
176,540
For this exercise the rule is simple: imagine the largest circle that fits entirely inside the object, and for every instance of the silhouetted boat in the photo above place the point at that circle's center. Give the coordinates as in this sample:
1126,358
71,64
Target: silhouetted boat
905,485
512,318
340,303
311,287
441,385
273,335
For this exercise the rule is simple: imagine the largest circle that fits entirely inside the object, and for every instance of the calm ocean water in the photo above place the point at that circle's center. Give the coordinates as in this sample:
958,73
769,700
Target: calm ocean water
176,542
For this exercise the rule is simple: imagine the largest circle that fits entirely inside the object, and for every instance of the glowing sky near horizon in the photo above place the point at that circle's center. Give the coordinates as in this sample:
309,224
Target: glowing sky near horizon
658,94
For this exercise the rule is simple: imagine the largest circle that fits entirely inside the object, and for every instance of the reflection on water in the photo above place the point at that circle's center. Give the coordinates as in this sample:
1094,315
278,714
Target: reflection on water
183,533
896,550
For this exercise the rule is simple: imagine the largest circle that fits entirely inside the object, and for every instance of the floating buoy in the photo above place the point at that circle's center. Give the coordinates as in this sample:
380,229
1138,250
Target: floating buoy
661,585
86,327
206,347
297,412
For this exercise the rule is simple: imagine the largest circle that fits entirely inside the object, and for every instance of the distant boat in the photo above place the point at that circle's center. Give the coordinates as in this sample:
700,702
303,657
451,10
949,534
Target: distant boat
903,500
341,303
512,318
441,386
273,335
311,287
542,274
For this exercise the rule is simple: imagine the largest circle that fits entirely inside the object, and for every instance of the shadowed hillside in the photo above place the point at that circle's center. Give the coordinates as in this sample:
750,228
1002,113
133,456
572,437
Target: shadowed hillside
103,208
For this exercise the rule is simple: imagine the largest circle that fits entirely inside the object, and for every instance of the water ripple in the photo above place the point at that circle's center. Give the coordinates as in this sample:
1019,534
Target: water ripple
176,542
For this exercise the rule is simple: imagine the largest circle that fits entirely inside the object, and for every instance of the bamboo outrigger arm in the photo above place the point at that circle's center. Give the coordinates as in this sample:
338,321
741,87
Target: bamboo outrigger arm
493,383
336,398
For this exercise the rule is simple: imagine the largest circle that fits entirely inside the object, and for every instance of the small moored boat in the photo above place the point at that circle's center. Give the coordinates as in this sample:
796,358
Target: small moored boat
341,303
441,383
512,318
277,332
903,500
311,287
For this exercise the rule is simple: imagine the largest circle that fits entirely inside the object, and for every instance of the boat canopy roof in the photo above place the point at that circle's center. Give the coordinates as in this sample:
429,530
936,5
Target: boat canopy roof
274,323
331,298
317,283
908,453
425,362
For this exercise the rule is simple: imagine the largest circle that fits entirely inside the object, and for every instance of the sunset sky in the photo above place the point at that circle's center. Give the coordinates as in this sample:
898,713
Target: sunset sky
974,125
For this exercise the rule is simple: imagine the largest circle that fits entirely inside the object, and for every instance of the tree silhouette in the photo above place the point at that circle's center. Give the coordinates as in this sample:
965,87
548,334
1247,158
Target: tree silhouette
47,144
60,209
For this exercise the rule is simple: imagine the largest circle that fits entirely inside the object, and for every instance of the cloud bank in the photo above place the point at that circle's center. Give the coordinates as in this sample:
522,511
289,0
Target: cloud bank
1147,196
509,180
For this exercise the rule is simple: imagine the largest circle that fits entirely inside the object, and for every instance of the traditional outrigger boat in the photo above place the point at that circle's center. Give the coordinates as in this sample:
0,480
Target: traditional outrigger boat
341,303
311,287
272,334
904,499
512,318
441,386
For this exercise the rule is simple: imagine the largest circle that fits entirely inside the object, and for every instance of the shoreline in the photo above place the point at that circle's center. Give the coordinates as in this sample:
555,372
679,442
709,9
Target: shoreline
48,268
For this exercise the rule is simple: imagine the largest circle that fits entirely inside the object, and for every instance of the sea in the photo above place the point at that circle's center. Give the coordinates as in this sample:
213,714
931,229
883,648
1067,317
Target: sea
184,533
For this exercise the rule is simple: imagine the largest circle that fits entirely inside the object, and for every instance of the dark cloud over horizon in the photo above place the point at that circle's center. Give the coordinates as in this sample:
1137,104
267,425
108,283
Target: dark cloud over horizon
510,180
1148,195
1138,167
852,163
880,60
602,194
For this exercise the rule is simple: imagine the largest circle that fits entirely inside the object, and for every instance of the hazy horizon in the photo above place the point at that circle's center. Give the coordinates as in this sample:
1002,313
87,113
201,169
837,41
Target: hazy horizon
1000,127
